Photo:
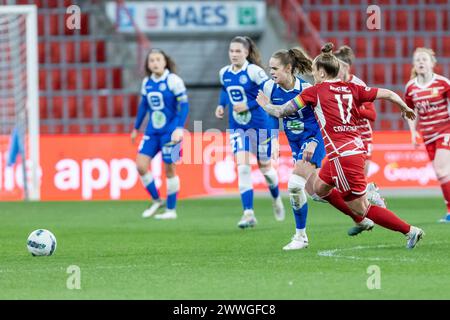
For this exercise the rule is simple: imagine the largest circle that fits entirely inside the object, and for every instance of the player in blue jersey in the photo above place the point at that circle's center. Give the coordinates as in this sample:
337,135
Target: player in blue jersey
165,100
304,136
249,125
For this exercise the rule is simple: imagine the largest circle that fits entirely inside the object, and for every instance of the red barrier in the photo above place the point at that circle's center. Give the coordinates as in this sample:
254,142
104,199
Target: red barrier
99,167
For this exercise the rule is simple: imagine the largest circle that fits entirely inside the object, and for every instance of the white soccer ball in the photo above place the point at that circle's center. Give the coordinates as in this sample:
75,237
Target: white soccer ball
41,242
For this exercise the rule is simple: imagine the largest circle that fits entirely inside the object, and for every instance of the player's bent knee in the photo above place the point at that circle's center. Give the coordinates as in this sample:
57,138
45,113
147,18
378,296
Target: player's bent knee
244,177
297,194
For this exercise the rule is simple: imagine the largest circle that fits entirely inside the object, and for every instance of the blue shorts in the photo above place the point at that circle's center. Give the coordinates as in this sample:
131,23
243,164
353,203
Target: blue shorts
152,144
256,141
297,148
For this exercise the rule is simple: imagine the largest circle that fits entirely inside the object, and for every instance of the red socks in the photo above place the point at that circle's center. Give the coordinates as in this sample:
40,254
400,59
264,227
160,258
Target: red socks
446,191
336,200
387,219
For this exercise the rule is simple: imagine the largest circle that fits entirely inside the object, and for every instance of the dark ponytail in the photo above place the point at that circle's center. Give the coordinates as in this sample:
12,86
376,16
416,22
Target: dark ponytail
297,58
253,53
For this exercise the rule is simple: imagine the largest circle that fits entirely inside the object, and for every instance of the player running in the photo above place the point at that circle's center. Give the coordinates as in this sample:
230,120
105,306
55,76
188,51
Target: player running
429,95
303,134
367,112
164,98
335,105
248,124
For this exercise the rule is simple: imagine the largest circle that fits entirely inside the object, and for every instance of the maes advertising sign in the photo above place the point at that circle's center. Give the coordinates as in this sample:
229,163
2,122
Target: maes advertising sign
192,16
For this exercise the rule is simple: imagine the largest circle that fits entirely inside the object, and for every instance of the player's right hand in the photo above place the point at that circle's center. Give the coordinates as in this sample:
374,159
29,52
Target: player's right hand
133,136
219,112
407,113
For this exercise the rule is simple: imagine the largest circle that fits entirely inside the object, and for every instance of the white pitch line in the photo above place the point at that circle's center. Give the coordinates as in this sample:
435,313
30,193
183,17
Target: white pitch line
334,253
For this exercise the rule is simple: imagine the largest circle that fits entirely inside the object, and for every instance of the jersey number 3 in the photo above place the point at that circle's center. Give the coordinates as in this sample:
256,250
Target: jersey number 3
345,118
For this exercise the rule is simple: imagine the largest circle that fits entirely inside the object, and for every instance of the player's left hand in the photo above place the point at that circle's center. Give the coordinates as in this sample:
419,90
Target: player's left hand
262,99
177,135
308,152
240,107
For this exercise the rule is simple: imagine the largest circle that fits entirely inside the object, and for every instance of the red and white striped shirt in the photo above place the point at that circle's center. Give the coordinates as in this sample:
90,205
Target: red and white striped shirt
367,112
432,103
335,106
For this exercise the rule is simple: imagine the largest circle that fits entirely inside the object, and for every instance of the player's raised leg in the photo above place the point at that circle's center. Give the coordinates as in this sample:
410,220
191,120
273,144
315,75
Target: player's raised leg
334,197
348,174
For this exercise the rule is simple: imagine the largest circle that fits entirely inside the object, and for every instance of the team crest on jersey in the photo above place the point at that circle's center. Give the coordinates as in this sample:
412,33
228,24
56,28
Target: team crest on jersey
162,87
435,92
243,79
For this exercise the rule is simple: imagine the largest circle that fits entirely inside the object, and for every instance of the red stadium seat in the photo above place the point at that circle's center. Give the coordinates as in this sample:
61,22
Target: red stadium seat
85,51
71,79
430,20
56,110
54,20
100,51
41,52
118,106
70,51
390,44
72,107
133,105
56,79
87,107
446,46
360,48
102,106
42,80
378,70
343,20
55,52
401,20
42,107
40,21
314,17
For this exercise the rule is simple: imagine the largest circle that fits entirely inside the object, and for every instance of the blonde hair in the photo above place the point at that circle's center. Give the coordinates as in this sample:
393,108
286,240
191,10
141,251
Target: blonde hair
428,51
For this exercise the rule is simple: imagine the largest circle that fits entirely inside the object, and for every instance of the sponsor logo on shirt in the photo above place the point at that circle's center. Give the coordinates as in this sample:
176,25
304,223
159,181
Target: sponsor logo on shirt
340,89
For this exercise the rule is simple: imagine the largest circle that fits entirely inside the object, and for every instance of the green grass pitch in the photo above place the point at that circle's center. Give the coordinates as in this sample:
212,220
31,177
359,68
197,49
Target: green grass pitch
203,255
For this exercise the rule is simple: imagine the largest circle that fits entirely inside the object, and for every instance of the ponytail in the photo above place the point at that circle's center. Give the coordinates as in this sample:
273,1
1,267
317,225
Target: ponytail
327,61
299,60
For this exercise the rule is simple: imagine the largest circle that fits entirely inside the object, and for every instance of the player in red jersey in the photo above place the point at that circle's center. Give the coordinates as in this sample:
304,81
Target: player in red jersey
367,112
429,95
335,104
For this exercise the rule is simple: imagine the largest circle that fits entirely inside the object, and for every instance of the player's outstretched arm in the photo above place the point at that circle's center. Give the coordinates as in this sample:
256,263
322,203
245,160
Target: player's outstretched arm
389,95
279,111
